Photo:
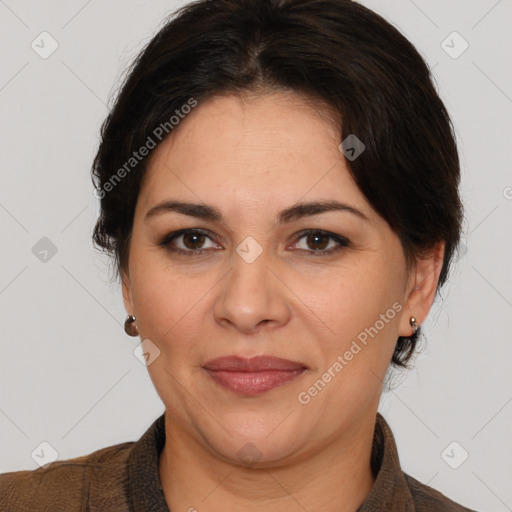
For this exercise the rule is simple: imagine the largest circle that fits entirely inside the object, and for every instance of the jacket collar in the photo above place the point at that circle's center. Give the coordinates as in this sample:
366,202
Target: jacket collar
145,491
389,492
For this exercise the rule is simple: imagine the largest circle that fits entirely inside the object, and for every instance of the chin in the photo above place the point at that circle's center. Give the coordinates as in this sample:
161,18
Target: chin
255,447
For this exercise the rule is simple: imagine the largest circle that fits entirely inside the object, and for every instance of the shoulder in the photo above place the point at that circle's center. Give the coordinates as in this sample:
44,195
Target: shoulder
427,499
65,485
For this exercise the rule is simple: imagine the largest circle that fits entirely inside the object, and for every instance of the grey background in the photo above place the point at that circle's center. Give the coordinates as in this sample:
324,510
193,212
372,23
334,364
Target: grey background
68,374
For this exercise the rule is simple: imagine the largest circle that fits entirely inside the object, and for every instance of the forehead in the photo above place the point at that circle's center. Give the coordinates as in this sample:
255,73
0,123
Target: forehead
258,151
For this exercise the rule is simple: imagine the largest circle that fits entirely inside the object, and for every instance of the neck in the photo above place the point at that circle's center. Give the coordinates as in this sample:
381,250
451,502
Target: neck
337,477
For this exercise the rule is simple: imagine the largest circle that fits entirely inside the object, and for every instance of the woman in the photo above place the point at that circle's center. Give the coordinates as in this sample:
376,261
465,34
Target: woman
279,192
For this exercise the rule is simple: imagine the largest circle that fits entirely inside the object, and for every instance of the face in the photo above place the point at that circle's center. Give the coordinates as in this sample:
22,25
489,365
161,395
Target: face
327,290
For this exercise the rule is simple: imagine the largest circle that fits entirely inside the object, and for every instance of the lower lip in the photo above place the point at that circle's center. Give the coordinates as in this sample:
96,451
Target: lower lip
253,383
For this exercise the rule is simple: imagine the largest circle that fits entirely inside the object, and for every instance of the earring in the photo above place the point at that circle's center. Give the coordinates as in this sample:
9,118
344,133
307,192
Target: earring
414,325
129,327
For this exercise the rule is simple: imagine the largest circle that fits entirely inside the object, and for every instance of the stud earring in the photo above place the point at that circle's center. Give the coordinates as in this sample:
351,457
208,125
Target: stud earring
129,327
414,324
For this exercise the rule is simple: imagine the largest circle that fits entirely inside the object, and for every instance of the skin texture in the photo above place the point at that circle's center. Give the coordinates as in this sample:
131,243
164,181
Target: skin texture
251,157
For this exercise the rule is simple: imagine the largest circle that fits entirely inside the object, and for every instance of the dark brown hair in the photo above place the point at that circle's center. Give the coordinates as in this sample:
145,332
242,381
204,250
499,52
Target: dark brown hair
335,52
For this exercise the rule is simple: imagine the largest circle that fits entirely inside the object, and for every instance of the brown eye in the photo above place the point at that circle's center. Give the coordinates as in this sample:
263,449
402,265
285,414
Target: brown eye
320,242
315,241
191,240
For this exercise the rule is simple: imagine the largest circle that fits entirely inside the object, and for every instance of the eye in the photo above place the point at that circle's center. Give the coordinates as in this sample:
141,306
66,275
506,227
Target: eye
192,241
319,240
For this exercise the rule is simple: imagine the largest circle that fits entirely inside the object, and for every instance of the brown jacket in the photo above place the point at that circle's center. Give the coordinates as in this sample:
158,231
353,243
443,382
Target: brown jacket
124,478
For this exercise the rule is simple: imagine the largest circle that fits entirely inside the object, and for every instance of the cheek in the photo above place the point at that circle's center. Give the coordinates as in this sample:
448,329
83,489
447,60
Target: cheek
170,306
361,312
350,300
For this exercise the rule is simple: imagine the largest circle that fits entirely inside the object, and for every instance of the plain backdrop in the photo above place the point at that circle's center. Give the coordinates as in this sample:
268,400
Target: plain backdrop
68,374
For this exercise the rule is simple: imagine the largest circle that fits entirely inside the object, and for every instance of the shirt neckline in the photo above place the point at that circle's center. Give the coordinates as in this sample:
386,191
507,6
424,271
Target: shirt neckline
389,491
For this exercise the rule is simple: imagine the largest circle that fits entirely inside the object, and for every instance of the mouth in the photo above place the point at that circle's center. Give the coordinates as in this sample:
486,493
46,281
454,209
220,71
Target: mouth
255,375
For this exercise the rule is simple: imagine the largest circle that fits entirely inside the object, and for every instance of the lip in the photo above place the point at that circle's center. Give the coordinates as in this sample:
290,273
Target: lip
253,364
253,375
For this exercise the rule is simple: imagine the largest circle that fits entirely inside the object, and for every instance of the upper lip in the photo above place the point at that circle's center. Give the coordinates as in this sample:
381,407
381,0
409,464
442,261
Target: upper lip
252,364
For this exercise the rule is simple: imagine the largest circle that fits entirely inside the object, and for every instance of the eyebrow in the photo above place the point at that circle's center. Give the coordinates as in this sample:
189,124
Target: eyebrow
293,213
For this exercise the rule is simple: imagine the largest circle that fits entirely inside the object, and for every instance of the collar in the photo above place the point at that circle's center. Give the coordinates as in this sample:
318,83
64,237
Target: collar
145,491
389,492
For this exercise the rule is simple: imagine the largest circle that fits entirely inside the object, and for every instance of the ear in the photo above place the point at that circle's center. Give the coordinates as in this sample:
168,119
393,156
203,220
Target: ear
421,288
127,293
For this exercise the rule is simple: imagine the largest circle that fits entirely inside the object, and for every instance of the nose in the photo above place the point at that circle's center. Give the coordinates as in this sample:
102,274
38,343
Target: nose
253,296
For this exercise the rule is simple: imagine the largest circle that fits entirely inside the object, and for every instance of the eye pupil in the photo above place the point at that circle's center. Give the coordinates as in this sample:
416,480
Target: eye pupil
316,236
196,236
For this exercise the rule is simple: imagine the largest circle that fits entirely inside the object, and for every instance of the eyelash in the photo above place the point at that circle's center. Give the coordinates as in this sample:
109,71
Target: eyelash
343,242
